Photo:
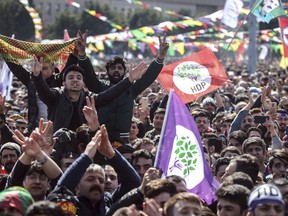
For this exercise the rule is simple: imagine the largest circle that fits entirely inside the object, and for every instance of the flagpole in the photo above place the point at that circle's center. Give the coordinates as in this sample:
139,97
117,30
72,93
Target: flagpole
164,124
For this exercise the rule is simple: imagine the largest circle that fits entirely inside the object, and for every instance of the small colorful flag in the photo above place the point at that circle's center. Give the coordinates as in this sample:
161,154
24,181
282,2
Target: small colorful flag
180,151
194,76
268,9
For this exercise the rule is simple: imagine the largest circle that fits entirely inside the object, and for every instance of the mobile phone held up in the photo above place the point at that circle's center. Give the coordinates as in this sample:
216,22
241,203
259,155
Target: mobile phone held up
260,119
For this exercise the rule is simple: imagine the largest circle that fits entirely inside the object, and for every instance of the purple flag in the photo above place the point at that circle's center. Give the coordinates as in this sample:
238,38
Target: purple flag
180,151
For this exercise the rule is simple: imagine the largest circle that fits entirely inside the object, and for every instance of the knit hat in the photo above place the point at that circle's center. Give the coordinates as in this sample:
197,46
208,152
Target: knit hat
11,146
65,199
266,193
16,197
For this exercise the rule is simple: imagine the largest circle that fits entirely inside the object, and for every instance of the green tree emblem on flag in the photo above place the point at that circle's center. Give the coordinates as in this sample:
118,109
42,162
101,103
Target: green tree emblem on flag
187,154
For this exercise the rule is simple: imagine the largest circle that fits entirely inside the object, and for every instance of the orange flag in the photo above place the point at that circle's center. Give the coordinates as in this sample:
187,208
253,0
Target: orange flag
194,76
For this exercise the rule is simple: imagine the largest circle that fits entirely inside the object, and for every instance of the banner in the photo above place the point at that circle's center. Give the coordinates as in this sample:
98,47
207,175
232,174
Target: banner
267,10
6,77
180,151
12,50
193,76
231,12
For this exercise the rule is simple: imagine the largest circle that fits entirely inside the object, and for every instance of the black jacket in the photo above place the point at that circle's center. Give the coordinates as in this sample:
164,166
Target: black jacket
120,110
60,108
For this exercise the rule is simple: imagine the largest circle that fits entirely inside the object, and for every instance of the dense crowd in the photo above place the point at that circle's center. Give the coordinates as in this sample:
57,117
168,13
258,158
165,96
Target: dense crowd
84,143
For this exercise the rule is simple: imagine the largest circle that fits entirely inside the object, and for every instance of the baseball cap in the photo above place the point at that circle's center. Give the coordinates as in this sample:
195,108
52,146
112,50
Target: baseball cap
263,194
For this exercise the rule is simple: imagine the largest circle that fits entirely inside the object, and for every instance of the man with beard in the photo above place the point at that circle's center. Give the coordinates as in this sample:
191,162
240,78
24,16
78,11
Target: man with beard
65,104
282,119
202,121
88,179
9,154
120,110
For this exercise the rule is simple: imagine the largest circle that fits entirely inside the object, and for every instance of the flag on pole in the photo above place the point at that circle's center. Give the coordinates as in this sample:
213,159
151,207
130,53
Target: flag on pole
180,151
283,24
231,12
268,9
194,76
5,81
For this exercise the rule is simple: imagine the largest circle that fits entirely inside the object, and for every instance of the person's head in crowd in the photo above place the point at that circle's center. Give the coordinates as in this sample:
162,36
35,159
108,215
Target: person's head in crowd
232,200
158,119
230,152
144,143
206,211
283,104
72,74
278,163
142,160
282,119
244,163
9,154
194,106
239,105
36,181
214,145
67,159
209,105
183,202
11,123
225,124
47,69
254,132
236,138
180,183
224,140
243,84
126,151
134,130
201,120
45,208
111,178
146,92
217,120
151,97
239,178
256,111
14,201
266,199
247,123
264,81
229,88
220,167
160,190
155,87
21,125
282,184
257,147
116,69
82,137
92,184
65,199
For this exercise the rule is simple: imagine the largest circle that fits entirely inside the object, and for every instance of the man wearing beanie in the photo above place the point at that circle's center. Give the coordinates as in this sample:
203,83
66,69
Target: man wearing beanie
15,201
266,200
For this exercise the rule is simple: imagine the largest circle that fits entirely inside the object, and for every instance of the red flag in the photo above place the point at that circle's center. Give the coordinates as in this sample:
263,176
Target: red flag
194,76
283,23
